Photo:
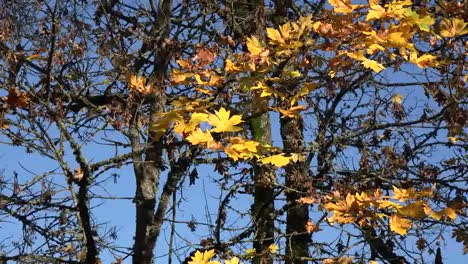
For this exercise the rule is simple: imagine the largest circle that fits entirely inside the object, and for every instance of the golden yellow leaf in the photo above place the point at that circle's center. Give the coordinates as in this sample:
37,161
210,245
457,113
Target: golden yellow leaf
180,77
266,91
403,195
222,121
275,36
241,148
138,83
231,67
197,118
453,27
293,112
278,160
453,139
164,121
250,253
342,6
397,38
203,257
68,249
342,260
273,248
399,224
447,212
184,63
424,61
36,57
234,260
397,98
254,46
199,137
207,78
374,65
375,11
373,48
414,210
292,74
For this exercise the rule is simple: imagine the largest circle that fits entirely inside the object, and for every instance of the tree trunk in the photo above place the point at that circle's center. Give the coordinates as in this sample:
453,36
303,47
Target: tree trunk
297,239
263,208
148,171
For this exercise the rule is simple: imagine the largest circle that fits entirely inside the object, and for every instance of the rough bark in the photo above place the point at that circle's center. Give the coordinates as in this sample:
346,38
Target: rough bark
148,170
263,208
297,239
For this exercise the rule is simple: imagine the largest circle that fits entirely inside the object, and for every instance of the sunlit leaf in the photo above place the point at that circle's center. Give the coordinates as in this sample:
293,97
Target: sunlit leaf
223,122
450,28
414,210
199,137
278,160
254,46
399,224
397,98
273,248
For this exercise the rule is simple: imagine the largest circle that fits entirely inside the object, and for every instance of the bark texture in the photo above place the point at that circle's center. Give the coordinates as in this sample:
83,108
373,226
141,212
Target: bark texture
297,240
148,169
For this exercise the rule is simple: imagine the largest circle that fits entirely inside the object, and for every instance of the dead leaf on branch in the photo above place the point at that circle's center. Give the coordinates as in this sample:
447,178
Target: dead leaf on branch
16,98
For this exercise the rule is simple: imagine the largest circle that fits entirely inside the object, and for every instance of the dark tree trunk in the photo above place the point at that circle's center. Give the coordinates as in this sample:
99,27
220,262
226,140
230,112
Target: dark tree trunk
297,239
148,170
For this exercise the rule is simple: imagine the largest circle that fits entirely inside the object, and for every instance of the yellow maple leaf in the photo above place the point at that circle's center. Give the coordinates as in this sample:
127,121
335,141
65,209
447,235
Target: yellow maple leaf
447,212
266,90
222,121
342,6
164,122
413,210
399,224
254,46
180,77
403,195
231,67
184,63
293,112
372,64
273,248
278,160
207,78
138,83
453,27
424,61
397,38
190,126
275,36
199,137
373,48
397,98
234,260
375,11
241,148
203,257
